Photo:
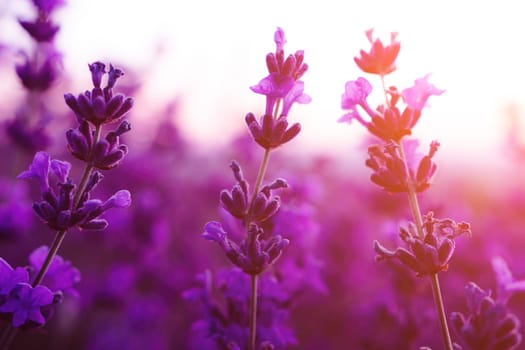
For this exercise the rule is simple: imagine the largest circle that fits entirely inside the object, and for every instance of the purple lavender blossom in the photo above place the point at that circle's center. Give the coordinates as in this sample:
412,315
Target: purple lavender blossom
488,325
283,81
25,303
100,105
224,326
10,277
61,275
40,76
431,253
254,254
15,210
57,210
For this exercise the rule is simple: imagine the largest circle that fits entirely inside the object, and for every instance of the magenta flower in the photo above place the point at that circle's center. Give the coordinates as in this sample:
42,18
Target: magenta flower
429,254
283,77
41,29
25,303
39,76
270,132
38,169
254,254
295,95
506,282
380,59
416,97
356,93
390,170
100,105
488,325
61,275
10,277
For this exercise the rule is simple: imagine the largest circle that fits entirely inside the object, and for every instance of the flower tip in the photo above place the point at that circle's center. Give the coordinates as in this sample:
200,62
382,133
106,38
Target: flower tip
213,231
279,38
121,199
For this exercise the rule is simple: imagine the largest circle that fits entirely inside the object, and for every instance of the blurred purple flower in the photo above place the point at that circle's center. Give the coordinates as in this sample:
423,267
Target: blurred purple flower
507,285
416,97
25,303
40,76
224,326
41,29
48,6
10,277
15,209
38,169
61,275
356,93
488,325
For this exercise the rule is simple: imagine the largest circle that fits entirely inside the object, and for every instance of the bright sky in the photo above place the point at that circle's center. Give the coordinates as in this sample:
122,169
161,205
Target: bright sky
212,51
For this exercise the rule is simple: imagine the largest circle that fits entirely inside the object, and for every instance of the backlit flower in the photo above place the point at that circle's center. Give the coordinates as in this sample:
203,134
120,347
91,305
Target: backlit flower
380,59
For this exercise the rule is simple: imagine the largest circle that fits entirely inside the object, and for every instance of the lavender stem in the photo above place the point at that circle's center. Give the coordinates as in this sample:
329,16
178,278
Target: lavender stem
253,311
436,290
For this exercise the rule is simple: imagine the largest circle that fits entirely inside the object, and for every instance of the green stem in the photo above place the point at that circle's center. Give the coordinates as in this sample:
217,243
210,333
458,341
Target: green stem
253,311
260,176
440,308
436,290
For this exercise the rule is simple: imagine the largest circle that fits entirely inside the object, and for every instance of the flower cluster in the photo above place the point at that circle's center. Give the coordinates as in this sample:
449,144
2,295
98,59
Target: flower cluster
488,325
57,209
225,318
27,305
257,251
431,253
391,172
387,122
260,243
37,72
26,300
282,85
397,167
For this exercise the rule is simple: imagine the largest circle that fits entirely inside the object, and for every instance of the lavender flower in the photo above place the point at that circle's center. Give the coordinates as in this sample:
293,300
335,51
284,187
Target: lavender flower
431,253
10,277
61,275
100,105
58,210
488,325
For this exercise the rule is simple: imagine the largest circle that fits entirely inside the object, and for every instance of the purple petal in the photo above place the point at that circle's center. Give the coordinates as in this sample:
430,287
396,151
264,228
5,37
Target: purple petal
39,169
279,39
41,296
416,97
121,199
213,231
60,169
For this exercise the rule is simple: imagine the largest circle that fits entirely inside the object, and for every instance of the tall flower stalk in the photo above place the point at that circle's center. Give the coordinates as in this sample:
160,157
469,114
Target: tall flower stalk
397,167
260,247
64,205
39,70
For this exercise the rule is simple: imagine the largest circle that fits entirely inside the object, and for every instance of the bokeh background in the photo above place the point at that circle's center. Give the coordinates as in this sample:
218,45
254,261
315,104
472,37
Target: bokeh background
189,66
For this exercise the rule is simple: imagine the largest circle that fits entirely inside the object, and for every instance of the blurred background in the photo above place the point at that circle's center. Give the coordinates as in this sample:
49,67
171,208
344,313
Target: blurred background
189,66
